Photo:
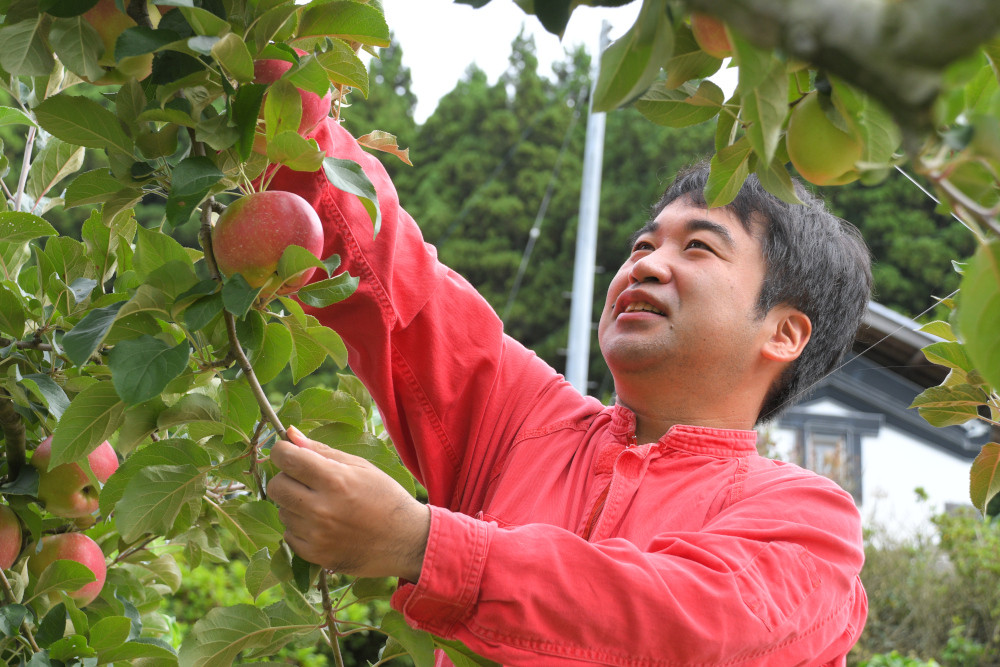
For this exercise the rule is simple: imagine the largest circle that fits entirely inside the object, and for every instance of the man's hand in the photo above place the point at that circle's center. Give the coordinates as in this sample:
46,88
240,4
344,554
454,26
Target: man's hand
343,513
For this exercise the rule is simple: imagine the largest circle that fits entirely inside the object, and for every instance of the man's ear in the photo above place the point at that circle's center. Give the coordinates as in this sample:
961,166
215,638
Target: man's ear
790,330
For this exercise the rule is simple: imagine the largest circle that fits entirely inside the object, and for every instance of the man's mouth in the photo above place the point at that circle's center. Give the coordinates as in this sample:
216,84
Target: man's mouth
642,306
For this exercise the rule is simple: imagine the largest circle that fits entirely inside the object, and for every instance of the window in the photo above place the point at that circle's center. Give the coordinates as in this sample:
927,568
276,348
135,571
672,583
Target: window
830,445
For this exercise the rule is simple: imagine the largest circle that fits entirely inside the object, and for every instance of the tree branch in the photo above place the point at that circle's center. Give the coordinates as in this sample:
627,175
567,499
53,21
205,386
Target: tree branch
894,51
13,436
331,619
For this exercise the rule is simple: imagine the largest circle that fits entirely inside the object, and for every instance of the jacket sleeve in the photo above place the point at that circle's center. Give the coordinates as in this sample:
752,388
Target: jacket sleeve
764,583
427,346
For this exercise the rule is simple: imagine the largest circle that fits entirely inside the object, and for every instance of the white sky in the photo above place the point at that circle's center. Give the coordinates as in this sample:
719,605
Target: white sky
441,38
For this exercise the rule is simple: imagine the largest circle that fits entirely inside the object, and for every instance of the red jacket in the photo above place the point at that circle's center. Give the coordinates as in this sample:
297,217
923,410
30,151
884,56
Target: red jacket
556,539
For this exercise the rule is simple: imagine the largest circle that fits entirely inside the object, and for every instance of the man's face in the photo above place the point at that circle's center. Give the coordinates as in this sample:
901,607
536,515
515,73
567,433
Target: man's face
684,301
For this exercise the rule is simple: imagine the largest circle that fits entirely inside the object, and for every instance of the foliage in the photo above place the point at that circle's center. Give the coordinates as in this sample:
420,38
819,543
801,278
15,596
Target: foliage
932,594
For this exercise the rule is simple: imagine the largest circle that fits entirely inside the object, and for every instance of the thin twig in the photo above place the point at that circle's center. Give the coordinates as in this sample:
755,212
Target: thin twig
331,619
27,344
9,594
244,364
132,550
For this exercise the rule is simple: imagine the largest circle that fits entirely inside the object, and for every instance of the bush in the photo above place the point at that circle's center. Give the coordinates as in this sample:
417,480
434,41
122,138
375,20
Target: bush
933,595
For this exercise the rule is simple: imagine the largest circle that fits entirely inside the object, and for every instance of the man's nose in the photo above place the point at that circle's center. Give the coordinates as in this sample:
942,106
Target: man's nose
652,267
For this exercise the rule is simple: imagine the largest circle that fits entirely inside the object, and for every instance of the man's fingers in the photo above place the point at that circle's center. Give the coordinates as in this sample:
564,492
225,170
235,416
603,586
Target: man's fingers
288,492
297,438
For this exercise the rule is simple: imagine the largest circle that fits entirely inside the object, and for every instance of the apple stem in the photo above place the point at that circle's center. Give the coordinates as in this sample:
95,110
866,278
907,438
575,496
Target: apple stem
9,594
331,619
13,435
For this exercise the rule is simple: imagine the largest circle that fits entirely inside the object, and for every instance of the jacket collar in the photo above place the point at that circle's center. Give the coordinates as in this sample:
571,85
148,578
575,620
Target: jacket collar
704,440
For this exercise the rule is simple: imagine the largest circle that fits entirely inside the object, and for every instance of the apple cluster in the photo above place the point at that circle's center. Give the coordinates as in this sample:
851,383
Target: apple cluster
67,491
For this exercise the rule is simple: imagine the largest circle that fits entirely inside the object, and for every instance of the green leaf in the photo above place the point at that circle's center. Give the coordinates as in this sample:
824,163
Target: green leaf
92,416
342,65
352,21
682,107
984,478
688,60
348,176
951,396
48,390
940,329
948,354
11,617
110,632
154,498
633,61
417,643
78,45
10,116
875,126
765,107
461,655
240,410
201,312
191,180
246,106
222,634
154,249
142,368
255,524
81,121
63,575
776,180
167,453
189,408
307,354
330,341
258,576
82,340
296,259
238,296
729,170
141,650
295,151
978,311
140,40
24,51
18,227
232,54
12,315
273,354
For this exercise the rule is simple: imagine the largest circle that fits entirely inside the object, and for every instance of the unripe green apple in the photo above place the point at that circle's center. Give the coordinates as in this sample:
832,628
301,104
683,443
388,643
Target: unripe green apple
77,547
10,537
110,22
314,107
710,33
821,152
253,231
66,489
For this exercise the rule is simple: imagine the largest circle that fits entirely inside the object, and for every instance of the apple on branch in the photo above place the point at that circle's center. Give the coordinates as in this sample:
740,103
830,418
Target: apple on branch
710,34
66,489
821,152
10,537
314,108
252,233
76,547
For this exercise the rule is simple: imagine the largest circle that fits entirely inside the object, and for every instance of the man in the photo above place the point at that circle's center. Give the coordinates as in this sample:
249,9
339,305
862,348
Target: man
561,531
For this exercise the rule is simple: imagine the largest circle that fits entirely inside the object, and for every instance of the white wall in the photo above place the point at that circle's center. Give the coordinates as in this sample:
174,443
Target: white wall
893,465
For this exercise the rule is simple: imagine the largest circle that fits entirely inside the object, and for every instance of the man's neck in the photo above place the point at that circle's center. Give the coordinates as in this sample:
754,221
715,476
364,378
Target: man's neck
653,419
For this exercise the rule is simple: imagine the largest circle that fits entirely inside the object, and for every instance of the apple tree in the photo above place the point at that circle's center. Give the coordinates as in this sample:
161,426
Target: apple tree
127,341
842,91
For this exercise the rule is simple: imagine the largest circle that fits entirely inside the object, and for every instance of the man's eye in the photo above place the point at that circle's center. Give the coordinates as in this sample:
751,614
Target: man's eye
642,245
695,243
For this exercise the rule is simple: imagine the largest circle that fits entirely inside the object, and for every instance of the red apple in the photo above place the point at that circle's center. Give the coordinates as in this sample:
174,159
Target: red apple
10,537
314,107
253,231
110,22
710,33
77,547
66,489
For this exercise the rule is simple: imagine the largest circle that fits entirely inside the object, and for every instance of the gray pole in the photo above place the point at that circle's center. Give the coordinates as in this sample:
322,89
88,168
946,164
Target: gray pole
580,315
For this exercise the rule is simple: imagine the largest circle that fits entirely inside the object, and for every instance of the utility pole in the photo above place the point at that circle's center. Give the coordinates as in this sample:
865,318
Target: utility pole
580,315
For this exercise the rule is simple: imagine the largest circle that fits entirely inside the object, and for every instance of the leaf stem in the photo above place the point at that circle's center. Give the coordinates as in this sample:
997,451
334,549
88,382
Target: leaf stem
9,594
12,426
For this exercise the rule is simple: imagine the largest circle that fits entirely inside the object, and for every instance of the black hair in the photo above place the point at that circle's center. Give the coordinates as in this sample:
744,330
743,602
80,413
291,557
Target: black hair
813,261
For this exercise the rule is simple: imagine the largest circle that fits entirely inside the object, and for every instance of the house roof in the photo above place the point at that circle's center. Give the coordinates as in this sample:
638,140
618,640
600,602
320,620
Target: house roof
895,341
